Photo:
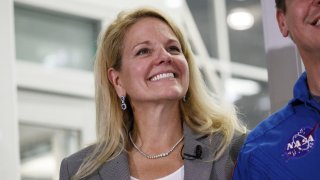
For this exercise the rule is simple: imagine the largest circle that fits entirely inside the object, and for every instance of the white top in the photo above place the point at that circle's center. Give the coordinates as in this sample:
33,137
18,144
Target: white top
177,175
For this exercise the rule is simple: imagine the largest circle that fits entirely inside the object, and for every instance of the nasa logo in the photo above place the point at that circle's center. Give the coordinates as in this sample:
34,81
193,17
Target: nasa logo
300,144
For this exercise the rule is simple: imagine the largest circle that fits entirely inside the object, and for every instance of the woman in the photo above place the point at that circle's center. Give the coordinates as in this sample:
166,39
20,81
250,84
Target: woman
155,118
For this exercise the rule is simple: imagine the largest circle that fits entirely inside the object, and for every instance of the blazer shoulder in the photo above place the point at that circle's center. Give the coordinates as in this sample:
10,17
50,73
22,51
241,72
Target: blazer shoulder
70,165
236,144
81,155
239,137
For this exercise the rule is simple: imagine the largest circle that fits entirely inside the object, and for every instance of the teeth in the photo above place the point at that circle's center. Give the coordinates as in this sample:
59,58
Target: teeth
162,76
318,22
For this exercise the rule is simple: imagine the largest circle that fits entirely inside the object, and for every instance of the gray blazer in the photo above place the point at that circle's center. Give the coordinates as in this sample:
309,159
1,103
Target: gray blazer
199,169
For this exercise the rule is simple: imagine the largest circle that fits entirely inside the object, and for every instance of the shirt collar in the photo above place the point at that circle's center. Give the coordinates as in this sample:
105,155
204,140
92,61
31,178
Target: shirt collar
302,93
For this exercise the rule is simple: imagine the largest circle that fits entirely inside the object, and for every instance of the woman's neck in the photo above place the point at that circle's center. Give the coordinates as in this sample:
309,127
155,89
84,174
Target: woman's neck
157,127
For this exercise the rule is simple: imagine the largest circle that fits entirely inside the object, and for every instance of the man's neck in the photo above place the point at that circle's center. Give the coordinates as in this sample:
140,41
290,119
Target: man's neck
312,65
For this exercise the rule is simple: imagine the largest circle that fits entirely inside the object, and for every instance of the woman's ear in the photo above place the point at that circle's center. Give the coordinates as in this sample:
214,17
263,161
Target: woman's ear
282,23
114,78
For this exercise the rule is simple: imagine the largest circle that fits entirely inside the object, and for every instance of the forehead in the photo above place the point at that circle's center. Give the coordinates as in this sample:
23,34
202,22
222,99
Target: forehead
148,29
149,25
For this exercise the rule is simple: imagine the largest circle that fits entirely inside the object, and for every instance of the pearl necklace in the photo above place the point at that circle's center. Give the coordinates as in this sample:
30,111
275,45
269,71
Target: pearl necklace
155,156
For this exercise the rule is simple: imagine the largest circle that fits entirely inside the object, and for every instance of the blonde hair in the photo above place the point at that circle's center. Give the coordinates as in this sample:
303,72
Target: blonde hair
201,112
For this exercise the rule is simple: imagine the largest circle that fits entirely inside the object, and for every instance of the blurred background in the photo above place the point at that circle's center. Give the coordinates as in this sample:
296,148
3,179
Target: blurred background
47,86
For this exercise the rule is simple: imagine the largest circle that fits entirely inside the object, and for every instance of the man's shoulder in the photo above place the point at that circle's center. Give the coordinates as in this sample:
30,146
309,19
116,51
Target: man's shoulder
270,133
264,142
272,125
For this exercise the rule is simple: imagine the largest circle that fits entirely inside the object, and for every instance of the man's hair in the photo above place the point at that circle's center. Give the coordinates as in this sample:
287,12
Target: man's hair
281,5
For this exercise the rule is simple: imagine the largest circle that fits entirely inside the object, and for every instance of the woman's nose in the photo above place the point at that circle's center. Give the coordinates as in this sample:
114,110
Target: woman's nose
163,56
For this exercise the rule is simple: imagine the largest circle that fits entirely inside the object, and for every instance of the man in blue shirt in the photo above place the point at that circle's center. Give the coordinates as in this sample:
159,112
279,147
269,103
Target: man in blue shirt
287,144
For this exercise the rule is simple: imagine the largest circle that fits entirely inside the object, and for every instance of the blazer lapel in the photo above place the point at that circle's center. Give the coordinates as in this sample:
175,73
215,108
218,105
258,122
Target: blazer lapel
199,168
117,168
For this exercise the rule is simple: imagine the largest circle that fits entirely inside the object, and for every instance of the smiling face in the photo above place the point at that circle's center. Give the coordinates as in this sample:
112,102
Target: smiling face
154,67
302,22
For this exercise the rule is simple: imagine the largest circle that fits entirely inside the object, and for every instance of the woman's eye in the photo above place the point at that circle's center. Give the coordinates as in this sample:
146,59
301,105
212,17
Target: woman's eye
174,50
143,51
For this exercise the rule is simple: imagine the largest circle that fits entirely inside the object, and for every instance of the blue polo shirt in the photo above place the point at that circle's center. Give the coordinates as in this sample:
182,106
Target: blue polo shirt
285,145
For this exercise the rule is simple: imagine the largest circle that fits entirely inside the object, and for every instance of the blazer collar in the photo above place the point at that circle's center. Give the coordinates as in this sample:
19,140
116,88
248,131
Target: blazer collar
199,168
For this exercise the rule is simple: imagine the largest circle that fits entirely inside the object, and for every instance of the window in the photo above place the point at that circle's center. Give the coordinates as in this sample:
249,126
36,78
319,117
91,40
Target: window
42,148
233,35
55,40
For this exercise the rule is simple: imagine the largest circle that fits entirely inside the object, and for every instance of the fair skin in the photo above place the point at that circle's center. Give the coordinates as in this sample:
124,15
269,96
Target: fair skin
301,22
155,76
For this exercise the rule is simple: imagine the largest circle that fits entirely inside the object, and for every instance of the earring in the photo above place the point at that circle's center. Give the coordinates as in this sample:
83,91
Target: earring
123,102
184,98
